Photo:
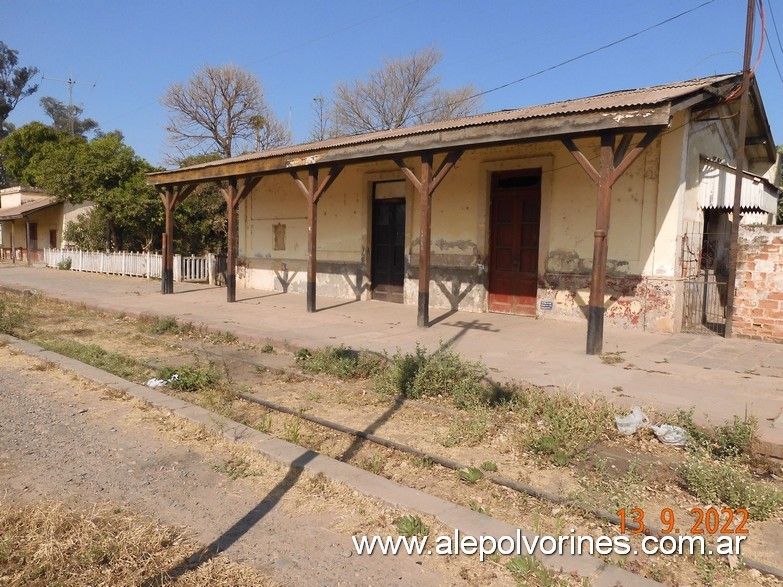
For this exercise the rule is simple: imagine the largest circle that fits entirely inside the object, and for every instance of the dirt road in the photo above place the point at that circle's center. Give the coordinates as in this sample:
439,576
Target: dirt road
64,439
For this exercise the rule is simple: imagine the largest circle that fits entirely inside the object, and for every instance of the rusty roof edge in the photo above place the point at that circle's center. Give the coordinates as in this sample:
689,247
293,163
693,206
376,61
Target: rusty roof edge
310,153
442,140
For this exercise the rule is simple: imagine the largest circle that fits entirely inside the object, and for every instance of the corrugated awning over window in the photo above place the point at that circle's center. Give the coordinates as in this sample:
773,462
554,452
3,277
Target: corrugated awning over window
717,189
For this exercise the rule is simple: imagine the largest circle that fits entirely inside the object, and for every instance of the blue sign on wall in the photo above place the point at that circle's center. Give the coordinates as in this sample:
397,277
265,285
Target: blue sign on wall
547,305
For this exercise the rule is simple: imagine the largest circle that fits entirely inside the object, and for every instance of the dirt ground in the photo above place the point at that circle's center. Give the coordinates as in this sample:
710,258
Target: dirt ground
64,439
635,472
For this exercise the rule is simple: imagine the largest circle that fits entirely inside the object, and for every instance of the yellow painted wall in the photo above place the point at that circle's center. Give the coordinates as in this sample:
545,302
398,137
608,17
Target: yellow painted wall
650,203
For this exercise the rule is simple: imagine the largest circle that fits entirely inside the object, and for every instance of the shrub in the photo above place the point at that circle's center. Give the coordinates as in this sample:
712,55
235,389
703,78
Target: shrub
10,317
191,377
444,373
163,325
340,362
65,264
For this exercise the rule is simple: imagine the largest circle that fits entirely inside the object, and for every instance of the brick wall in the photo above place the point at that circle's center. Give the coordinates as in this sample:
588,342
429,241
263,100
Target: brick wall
758,301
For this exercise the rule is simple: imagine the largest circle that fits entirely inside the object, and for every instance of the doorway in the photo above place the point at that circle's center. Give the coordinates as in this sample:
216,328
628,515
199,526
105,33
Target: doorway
515,220
388,249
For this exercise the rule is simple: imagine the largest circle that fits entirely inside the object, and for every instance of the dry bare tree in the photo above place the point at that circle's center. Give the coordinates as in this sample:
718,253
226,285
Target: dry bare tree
403,92
222,109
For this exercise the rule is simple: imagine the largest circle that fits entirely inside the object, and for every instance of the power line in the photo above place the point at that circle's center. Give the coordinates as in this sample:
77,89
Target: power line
578,57
780,44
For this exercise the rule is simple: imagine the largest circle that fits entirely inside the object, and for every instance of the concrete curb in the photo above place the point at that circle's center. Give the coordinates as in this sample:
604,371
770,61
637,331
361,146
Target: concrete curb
451,515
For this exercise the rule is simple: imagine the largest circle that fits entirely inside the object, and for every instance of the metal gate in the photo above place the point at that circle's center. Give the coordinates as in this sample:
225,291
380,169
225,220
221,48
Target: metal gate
705,256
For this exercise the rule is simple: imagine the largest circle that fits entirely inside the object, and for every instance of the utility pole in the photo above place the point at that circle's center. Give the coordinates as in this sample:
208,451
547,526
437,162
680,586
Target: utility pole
71,82
736,211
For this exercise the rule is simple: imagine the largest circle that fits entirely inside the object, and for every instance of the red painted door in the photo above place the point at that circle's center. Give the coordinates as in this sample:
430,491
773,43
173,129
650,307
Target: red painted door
515,222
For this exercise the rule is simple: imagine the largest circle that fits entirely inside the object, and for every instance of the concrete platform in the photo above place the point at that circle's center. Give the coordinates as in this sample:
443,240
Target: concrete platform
718,378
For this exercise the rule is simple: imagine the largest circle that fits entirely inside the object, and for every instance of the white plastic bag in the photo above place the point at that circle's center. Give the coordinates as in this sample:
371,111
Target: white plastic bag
633,422
672,435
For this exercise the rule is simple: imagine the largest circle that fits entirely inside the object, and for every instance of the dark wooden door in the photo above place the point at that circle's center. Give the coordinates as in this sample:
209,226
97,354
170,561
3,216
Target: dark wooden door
388,249
515,222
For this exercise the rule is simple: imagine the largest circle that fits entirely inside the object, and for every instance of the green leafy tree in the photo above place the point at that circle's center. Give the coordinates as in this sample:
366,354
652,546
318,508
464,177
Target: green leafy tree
107,172
15,83
21,149
201,223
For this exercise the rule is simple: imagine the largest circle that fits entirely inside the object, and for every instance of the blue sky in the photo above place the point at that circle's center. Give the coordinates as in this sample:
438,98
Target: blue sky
133,50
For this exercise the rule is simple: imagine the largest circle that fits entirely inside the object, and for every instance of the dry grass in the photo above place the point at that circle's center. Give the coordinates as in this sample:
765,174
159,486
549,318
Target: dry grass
56,544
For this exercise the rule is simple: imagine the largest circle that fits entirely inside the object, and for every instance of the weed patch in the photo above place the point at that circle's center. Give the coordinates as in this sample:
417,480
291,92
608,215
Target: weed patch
560,426
412,526
733,439
731,483
116,363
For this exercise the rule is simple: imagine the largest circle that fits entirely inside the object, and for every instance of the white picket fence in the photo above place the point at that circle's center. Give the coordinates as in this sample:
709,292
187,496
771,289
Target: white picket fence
147,265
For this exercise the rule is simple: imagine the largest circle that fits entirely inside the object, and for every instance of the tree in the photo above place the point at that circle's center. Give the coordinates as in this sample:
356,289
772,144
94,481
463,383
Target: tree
21,149
221,109
15,83
127,213
403,92
67,118
201,218
320,128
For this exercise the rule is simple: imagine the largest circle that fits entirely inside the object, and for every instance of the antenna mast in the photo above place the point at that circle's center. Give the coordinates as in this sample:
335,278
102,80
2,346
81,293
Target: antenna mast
71,82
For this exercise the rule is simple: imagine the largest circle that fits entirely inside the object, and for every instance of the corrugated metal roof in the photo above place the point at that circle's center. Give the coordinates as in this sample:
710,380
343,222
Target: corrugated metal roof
717,189
25,209
624,99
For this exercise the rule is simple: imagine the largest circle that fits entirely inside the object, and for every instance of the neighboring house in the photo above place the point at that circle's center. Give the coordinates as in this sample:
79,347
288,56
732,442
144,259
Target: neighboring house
31,221
520,221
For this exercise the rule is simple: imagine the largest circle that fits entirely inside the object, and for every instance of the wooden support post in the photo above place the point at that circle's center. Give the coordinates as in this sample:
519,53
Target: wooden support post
233,196
13,252
163,256
27,238
312,193
426,186
312,232
171,198
425,234
231,257
167,274
613,165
